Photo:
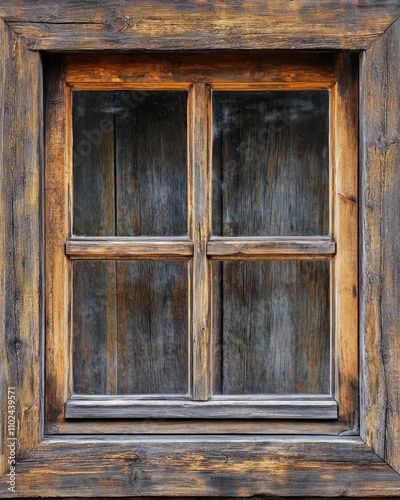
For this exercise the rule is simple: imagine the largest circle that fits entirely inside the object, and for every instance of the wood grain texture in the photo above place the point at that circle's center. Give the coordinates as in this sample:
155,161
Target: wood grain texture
344,225
181,70
153,338
173,248
273,330
151,163
206,466
380,247
94,197
151,25
193,426
292,408
270,172
94,328
200,214
241,248
57,230
20,241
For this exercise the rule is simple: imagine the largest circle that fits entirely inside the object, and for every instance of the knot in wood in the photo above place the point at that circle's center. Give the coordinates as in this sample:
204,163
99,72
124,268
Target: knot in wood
121,23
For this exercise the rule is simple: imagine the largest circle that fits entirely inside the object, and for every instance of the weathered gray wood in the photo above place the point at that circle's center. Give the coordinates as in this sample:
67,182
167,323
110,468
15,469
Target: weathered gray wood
322,408
93,164
94,328
151,162
380,247
167,25
271,248
94,324
194,426
270,163
20,241
173,248
206,466
153,333
274,328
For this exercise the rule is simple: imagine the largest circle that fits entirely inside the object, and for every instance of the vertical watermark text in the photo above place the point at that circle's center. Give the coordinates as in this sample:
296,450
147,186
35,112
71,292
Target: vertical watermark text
11,438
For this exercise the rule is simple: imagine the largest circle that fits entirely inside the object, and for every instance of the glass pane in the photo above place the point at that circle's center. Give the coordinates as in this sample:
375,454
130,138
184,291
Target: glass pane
271,327
130,163
270,163
130,327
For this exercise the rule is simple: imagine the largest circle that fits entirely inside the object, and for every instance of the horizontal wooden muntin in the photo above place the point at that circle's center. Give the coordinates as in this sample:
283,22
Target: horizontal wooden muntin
218,248
271,248
130,248
289,407
152,71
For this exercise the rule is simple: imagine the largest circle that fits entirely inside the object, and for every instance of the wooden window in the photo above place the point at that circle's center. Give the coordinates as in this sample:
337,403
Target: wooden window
357,454
209,254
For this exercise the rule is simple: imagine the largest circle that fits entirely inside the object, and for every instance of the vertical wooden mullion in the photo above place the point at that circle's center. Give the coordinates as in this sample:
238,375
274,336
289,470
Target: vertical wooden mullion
199,212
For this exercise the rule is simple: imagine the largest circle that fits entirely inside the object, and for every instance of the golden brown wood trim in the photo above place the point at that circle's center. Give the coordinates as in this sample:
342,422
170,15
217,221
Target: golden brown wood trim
270,248
173,248
345,232
179,71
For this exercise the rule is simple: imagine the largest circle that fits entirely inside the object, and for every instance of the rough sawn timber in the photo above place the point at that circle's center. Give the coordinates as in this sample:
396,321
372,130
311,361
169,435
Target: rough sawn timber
205,466
380,247
20,239
194,25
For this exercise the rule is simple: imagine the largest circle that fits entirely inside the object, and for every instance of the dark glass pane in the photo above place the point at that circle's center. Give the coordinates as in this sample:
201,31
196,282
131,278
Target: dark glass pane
271,327
130,327
130,163
270,163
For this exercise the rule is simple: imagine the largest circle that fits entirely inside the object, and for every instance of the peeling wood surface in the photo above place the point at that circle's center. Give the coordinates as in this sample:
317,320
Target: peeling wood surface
380,247
192,25
206,466
20,239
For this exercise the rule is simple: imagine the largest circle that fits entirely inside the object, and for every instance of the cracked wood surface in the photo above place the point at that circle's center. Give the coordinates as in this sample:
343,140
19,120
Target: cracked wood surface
20,233
194,25
380,248
206,466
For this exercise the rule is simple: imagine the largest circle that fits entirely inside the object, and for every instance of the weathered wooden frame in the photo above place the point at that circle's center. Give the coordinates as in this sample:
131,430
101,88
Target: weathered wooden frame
201,465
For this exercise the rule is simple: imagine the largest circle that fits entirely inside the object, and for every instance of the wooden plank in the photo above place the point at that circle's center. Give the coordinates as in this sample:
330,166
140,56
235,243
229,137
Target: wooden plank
58,166
173,248
167,25
21,245
344,224
271,248
194,426
94,327
206,466
199,220
153,70
151,163
93,164
153,333
291,408
380,248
